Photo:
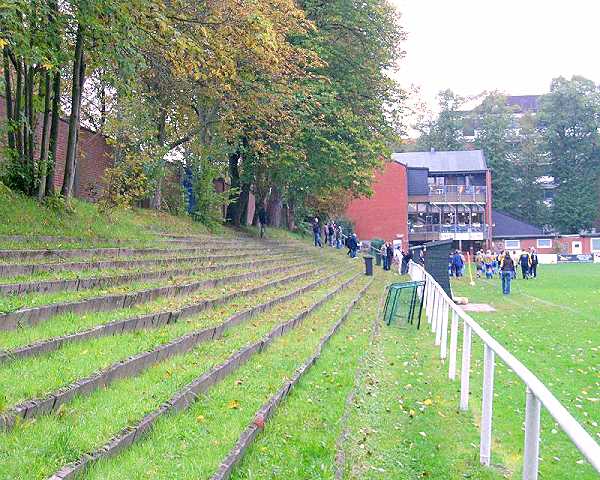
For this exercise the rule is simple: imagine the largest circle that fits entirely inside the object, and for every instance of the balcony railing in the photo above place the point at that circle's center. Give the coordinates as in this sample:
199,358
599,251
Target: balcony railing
448,228
457,193
437,232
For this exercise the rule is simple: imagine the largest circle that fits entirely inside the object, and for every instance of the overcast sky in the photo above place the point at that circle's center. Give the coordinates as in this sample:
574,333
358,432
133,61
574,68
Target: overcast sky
516,46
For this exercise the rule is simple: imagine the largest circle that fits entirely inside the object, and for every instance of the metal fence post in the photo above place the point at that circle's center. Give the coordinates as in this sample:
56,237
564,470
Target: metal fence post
465,368
485,447
453,344
436,311
532,436
444,347
440,325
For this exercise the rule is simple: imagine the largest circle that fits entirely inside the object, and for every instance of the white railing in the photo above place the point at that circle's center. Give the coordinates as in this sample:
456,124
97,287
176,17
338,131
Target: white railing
438,307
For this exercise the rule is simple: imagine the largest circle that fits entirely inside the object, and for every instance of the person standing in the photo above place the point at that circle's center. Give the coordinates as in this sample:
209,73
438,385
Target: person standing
262,220
353,245
457,264
525,261
389,252
325,233
317,233
338,236
383,253
331,233
506,272
534,263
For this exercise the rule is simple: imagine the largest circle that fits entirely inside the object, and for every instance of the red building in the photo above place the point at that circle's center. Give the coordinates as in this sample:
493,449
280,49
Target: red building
94,157
425,196
384,215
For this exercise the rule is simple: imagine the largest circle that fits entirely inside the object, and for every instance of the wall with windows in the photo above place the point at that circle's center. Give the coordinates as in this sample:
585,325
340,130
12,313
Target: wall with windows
567,245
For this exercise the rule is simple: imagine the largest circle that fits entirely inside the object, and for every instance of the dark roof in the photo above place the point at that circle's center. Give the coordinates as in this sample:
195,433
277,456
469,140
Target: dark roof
523,103
507,226
444,162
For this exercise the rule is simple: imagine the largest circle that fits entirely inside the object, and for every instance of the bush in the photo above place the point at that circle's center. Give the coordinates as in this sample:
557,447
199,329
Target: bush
125,184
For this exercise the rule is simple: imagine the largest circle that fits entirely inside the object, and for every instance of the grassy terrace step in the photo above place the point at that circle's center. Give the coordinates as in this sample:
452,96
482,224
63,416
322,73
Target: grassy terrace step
269,408
71,323
86,423
36,377
185,397
142,322
153,265
78,284
30,269
300,441
193,443
155,253
134,365
14,302
62,254
35,315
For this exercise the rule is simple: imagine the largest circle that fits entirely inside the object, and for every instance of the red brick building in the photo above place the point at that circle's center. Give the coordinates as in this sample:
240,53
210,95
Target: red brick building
385,214
425,196
94,157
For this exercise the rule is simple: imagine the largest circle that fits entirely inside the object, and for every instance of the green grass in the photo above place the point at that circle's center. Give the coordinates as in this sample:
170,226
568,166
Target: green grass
192,443
551,324
88,422
14,302
37,376
22,215
70,322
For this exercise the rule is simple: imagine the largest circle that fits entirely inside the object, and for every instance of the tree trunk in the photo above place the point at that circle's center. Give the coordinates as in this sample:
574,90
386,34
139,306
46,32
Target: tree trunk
9,100
71,160
234,174
274,206
43,164
53,143
30,127
18,117
156,200
244,199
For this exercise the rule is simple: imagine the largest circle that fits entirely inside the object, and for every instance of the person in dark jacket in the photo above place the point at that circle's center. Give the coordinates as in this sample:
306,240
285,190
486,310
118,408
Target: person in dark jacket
406,258
262,220
353,245
457,264
316,227
390,255
534,263
507,267
525,261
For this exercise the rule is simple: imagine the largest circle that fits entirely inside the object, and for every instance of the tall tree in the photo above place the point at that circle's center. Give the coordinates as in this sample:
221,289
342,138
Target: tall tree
570,118
444,132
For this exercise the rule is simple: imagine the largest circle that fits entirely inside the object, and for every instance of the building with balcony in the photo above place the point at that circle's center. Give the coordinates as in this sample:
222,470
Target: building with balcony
425,196
449,197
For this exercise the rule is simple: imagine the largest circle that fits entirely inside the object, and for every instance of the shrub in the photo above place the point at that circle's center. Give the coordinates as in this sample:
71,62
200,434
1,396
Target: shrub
125,183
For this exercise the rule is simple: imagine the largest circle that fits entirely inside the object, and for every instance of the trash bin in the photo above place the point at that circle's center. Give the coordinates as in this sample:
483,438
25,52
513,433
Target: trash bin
368,265
378,259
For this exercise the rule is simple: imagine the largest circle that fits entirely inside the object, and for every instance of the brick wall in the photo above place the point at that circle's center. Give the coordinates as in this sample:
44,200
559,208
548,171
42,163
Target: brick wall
94,157
385,214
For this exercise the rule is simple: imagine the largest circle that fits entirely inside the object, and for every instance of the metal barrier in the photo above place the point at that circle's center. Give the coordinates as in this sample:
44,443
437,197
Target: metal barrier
438,307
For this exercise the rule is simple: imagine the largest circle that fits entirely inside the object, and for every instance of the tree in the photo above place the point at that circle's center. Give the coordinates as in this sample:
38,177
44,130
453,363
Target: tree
444,133
569,119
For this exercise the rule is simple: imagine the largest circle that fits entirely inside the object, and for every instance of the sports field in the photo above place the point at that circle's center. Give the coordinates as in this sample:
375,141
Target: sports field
551,324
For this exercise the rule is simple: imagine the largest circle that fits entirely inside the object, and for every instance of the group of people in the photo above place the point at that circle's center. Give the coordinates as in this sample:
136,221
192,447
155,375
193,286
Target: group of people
506,264
387,255
332,234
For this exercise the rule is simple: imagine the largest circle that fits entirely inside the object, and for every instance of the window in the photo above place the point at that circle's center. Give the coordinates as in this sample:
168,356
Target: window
545,243
512,244
595,244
